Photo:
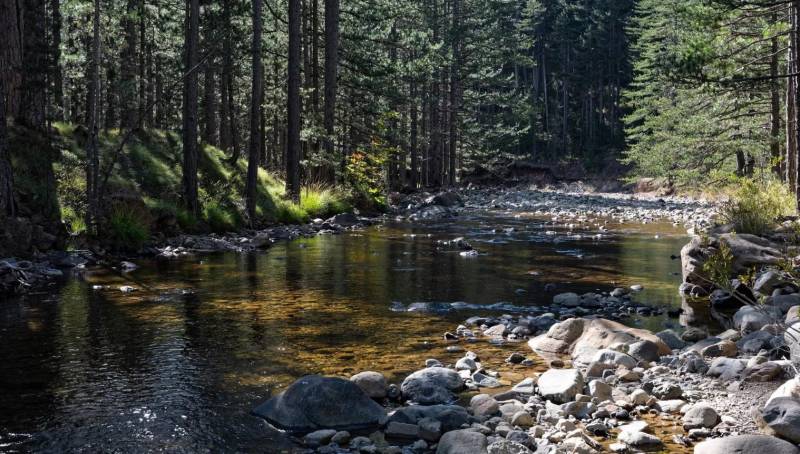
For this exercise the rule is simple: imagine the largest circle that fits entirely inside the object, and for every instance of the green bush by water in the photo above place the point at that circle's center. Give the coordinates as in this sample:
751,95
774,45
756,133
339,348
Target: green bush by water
128,229
755,206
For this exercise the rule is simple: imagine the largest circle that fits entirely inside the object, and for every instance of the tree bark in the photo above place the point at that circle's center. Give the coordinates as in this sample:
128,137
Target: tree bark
255,117
56,75
293,104
127,76
455,101
190,108
331,70
414,137
11,55
226,85
92,151
7,206
33,99
775,101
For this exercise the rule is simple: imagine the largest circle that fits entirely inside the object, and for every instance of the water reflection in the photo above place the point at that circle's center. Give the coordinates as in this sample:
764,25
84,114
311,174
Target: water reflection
167,370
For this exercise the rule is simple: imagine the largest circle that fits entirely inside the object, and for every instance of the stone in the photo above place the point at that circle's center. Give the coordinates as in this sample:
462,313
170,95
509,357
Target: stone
484,405
782,416
515,358
693,334
790,388
769,281
670,406
318,438
748,251
784,302
429,429
600,390
462,442
559,338
485,381
726,368
450,416
567,299
640,440
601,334
560,385
341,438
746,444
764,372
522,419
508,447
402,430
671,338
667,391
466,364
314,402
639,397
431,386
700,415
372,383
526,386
724,348
749,318
498,330
644,350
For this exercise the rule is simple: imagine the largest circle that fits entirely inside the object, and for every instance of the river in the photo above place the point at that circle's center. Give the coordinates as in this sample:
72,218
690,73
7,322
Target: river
177,365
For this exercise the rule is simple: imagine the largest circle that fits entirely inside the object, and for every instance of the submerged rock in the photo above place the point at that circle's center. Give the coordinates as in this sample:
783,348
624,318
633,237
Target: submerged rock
313,402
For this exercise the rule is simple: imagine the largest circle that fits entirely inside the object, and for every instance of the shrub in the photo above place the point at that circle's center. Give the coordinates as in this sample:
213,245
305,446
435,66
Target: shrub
127,228
321,201
755,206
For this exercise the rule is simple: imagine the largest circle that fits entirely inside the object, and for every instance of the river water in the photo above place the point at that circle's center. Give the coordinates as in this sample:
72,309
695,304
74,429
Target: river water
177,365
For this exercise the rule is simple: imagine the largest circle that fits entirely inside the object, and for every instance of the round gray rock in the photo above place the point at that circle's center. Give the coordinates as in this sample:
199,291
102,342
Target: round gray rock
314,402
431,386
700,415
746,444
782,415
462,442
372,383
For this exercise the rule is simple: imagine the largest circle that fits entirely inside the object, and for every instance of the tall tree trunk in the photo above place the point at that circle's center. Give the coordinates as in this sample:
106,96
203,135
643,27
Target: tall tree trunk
791,101
140,112
209,82
111,98
190,108
293,104
255,117
7,206
775,117
92,151
11,55
331,70
56,75
414,137
225,117
455,101
33,100
127,76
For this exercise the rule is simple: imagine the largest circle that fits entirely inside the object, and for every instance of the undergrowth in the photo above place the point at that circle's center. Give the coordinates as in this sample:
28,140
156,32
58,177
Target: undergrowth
754,206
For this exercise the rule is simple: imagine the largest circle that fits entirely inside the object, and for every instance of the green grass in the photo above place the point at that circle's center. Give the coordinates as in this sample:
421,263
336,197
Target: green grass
128,229
755,205
150,168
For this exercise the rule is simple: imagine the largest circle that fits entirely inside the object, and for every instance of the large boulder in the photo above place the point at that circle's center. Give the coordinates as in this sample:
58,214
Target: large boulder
791,388
751,318
313,402
726,368
448,199
601,333
746,444
462,442
748,251
432,385
559,338
782,416
560,385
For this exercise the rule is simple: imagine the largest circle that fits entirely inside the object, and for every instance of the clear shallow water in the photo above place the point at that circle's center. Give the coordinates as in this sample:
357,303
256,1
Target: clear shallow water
157,370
